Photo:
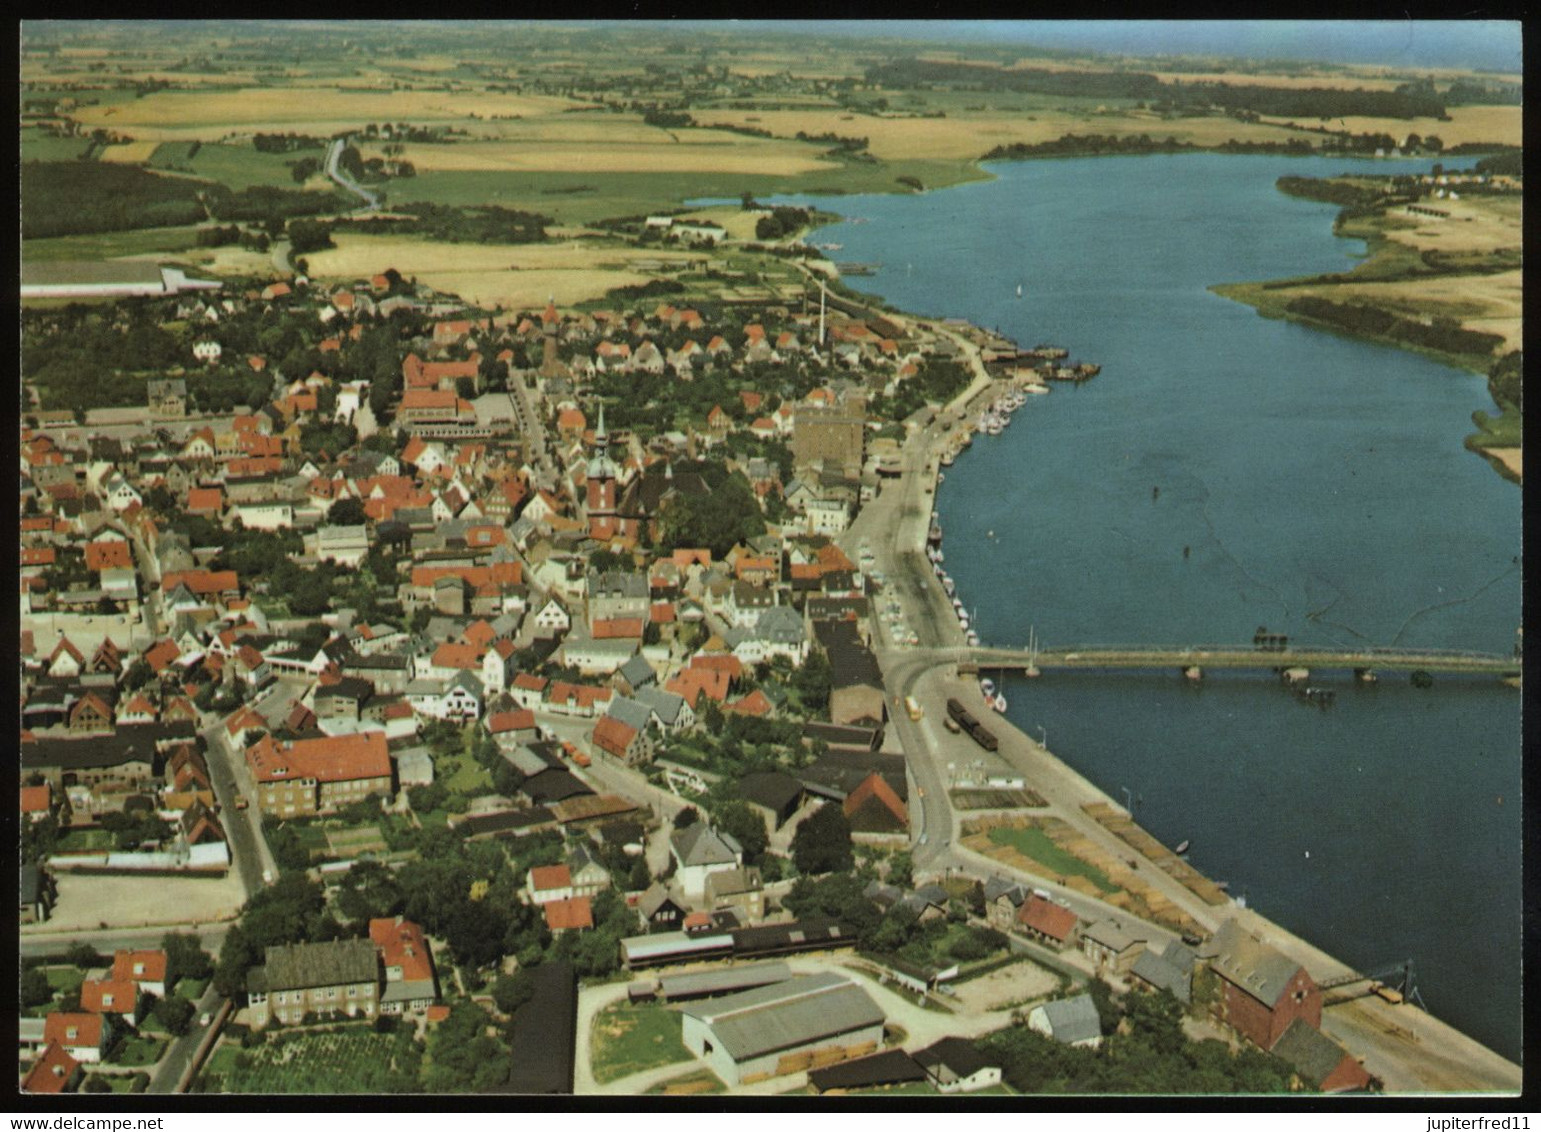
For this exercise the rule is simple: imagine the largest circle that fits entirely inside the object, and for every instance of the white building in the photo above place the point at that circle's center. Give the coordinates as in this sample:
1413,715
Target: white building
778,1029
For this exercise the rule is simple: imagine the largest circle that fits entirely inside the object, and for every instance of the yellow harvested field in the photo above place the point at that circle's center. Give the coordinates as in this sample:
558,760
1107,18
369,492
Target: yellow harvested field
130,154
1476,224
510,275
1500,125
964,137
710,152
1493,304
315,107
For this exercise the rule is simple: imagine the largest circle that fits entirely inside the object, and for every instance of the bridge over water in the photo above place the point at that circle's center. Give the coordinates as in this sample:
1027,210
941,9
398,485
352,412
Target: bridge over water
1432,661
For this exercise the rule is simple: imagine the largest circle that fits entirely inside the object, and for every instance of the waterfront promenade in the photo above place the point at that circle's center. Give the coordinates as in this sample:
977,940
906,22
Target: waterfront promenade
1410,1051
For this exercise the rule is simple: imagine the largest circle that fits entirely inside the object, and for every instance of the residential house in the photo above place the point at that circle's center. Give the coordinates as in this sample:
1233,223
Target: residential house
1044,920
1111,946
698,852
338,977
307,776
86,1037
955,1065
407,960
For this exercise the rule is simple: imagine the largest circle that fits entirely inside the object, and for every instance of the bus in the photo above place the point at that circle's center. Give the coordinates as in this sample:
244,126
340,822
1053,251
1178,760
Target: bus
911,706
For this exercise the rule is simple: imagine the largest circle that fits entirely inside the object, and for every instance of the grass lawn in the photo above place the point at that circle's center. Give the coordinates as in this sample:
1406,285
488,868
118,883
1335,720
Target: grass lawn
64,980
468,777
110,245
140,1050
192,989
628,1039
239,166
120,1082
1034,843
354,1059
85,840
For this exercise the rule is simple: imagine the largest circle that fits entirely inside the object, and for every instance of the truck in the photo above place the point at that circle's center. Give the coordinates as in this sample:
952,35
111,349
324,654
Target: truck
913,707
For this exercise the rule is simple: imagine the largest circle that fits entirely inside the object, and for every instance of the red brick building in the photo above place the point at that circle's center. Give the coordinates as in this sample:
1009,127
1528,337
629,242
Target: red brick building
1262,990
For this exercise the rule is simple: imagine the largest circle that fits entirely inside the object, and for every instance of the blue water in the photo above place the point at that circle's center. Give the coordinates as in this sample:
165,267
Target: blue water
1321,488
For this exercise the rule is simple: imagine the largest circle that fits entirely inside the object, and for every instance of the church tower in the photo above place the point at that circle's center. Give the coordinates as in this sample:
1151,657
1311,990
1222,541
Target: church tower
550,324
601,486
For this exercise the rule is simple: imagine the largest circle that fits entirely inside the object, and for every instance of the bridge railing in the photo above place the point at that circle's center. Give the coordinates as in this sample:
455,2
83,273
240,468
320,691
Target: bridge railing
1372,651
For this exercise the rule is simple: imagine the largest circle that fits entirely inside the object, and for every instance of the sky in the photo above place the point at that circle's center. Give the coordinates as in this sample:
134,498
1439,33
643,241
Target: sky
1481,44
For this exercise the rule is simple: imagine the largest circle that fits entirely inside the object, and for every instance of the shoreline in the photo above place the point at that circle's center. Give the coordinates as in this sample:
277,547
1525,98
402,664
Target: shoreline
1458,1063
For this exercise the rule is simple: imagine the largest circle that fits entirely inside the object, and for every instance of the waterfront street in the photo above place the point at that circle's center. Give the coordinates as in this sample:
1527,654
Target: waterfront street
1407,1049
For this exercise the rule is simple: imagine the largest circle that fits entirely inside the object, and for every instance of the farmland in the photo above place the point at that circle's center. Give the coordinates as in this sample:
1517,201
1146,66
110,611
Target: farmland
348,1059
510,275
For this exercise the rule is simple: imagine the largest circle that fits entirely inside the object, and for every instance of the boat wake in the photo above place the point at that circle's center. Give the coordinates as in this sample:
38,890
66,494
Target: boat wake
1427,609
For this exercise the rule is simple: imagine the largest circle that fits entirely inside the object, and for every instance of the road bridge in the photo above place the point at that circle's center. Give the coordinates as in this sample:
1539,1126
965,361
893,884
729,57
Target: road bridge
1432,661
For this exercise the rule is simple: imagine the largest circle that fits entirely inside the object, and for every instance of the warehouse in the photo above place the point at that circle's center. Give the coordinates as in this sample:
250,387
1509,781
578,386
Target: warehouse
806,1022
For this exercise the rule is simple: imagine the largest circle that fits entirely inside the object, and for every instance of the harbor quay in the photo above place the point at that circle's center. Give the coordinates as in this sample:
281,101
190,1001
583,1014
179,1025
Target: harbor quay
1408,1049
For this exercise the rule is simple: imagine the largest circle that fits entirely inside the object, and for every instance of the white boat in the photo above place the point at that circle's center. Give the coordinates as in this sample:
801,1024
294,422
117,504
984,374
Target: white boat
1037,389
963,620
999,704
1019,290
972,637
987,687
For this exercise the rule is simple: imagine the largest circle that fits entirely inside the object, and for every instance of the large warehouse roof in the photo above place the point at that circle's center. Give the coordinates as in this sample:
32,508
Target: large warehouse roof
787,1015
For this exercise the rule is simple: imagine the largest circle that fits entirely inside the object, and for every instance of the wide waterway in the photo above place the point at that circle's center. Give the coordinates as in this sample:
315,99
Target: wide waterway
1319,487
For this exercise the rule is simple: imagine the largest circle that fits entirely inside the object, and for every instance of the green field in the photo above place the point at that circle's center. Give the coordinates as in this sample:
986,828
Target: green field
110,245
39,146
628,1039
636,194
1033,843
239,166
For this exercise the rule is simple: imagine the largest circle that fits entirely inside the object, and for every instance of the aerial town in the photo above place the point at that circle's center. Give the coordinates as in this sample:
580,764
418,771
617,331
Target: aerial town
424,693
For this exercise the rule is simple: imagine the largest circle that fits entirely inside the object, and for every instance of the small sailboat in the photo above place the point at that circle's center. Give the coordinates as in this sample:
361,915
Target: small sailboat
1182,846
1019,290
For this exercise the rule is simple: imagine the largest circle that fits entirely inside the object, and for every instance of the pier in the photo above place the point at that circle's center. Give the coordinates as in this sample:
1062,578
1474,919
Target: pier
1207,657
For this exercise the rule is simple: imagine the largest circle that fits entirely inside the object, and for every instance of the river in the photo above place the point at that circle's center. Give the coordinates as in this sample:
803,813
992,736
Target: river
1308,482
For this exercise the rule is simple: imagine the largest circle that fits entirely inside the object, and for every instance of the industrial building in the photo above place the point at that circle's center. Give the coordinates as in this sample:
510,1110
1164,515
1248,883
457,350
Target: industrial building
806,1022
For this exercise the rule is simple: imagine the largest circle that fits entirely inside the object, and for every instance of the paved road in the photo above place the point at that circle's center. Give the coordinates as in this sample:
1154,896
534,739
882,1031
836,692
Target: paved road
108,940
174,1062
243,828
371,202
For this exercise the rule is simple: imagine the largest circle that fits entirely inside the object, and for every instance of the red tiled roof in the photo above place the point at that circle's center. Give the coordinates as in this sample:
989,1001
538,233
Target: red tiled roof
108,996
611,735
36,799
722,662
38,556
500,722
202,582
87,1028
545,878
873,786
401,944
661,613
162,655
205,499
755,703
693,683
457,656
52,1072
529,682
618,628
338,758
139,966
1053,920
574,914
